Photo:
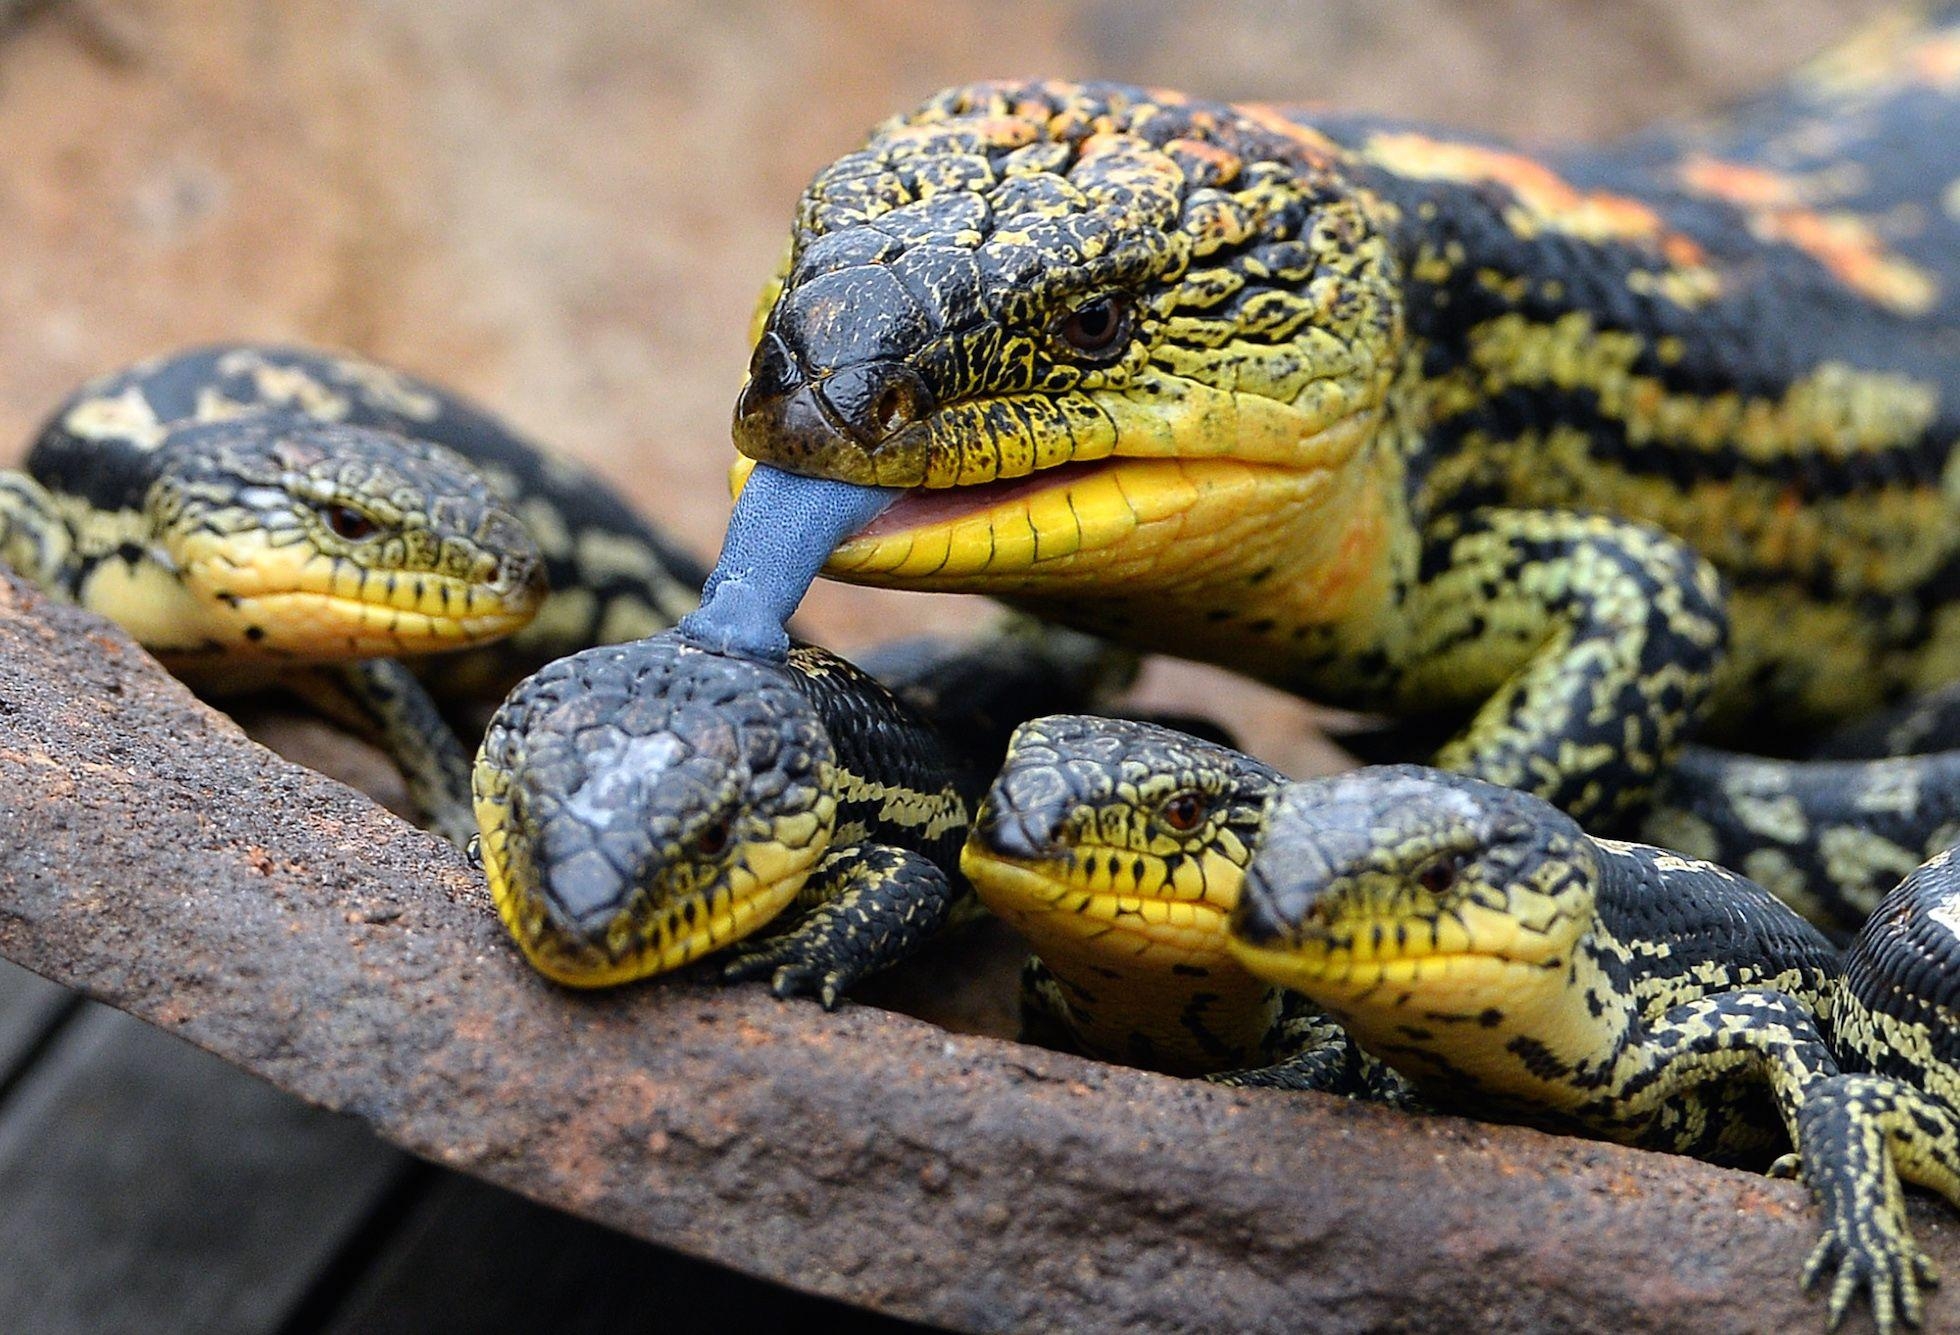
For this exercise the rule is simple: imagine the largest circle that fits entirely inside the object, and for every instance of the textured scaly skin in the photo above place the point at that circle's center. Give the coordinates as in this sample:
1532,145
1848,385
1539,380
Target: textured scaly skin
245,547
1126,913
1072,847
1830,833
1902,984
645,804
1511,966
1586,446
193,499
1830,838
1893,1020
1082,846
95,465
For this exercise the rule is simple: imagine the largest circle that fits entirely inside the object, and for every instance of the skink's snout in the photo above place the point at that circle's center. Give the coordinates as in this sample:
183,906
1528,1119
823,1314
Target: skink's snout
1273,905
587,895
831,389
518,576
1028,810
854,425
773,374
1024,814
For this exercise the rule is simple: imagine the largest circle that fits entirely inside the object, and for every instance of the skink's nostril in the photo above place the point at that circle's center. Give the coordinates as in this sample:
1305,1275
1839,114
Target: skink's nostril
876,400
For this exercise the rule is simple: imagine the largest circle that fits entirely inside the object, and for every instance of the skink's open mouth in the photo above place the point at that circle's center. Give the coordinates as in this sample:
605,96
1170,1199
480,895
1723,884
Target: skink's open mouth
1131,524
923,507
1101,525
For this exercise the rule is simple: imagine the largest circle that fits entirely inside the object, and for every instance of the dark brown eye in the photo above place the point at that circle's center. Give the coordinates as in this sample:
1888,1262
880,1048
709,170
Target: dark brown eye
1183,813
713,840
1439,875
1097,329
347,522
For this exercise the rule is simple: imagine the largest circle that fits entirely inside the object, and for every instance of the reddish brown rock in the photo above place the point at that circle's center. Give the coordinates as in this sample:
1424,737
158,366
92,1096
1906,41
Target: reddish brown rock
153,856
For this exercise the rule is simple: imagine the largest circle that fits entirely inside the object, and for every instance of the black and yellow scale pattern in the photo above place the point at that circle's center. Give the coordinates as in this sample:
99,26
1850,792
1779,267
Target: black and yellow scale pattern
250,511
611,576
1479,942
1117,848
1829,837
1587,447
645,804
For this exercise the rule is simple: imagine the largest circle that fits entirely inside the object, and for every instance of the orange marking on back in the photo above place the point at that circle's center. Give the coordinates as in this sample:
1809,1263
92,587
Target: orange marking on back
1739,183
1847,246
1205,163
1935,61
1546,197
1843,243
1682,251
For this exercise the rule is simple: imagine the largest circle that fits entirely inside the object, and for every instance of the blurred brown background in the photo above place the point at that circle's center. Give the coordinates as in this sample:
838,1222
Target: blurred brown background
566,209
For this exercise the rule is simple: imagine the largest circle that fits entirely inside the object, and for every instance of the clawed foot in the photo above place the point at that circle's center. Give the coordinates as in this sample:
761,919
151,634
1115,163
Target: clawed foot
1888,1265
801,962
876,906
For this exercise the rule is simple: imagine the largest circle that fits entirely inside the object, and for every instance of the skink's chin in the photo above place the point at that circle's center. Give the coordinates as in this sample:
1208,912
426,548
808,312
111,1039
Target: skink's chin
646,934
1058,910
307,625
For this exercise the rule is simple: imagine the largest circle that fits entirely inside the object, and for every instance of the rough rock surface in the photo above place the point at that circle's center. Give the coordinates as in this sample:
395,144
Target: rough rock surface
153,856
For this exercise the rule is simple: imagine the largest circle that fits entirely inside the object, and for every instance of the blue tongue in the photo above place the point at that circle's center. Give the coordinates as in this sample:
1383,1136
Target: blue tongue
784,528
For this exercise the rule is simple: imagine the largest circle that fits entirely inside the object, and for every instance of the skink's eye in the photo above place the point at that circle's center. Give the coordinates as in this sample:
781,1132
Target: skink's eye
1098,329
344,521
1184,813
713,840
1440,875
